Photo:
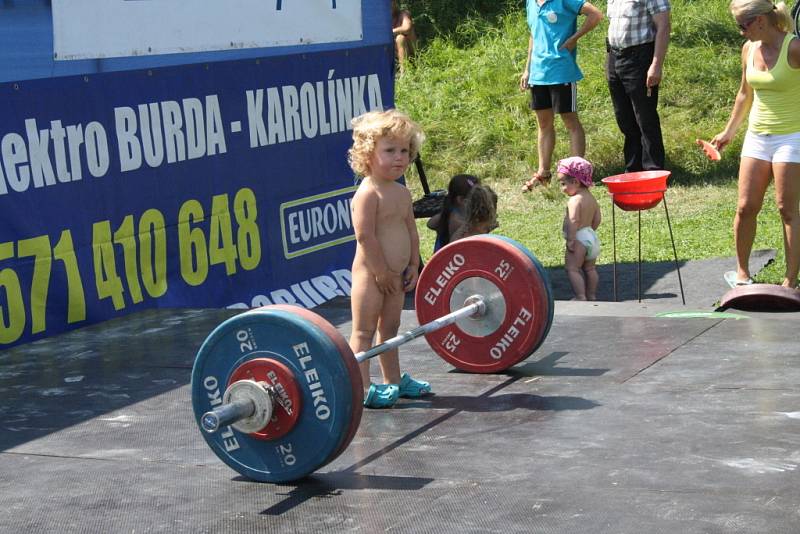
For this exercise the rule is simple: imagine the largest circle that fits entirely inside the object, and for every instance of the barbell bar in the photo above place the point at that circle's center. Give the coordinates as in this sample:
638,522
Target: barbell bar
252,402
231,412
277,391
474,306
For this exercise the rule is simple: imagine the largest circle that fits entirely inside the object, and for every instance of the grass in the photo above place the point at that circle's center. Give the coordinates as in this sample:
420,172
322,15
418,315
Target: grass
463,89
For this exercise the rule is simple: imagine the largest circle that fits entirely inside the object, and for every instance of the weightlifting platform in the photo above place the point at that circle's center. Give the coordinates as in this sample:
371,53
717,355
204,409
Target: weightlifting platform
623,421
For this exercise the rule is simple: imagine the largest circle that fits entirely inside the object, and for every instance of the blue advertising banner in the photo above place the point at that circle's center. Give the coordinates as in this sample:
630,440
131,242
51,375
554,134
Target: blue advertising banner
210,184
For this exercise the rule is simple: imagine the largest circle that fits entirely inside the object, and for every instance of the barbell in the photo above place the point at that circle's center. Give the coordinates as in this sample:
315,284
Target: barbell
277,392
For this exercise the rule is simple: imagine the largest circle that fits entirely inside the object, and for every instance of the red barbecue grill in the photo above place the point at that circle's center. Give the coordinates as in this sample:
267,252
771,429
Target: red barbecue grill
638,191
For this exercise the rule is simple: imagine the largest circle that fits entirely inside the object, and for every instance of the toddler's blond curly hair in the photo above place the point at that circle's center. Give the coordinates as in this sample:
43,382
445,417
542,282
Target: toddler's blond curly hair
370,127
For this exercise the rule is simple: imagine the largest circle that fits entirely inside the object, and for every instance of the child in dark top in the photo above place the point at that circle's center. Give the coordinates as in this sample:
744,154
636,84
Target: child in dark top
480,213
451,218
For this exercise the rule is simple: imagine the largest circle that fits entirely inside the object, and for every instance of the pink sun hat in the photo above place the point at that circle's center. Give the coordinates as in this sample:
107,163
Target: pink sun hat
578,168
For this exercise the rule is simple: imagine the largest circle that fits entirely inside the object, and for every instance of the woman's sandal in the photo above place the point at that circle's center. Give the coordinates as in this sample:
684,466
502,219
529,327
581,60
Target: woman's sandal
731,278
538,179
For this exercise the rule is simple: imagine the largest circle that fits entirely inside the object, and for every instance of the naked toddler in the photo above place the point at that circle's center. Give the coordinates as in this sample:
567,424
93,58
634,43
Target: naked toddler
386,261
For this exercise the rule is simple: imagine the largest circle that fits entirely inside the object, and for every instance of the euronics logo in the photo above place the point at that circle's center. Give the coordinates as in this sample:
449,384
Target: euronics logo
318,222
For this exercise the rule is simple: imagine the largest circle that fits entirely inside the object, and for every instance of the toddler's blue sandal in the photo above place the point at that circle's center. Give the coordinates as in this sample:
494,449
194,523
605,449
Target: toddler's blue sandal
381,396
411,389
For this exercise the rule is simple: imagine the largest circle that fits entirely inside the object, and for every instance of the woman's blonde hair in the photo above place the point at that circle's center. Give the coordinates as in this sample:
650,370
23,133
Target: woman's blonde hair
370,127
778,14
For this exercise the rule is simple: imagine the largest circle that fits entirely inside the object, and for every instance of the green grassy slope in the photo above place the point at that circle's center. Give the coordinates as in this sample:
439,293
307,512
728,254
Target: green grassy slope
463,89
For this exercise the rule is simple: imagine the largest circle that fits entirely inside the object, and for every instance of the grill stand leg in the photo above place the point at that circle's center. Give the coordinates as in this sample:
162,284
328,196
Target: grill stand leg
674,251
614,241
639,265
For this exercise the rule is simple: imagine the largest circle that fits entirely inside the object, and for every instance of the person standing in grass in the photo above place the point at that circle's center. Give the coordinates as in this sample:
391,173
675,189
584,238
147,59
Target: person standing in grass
552,74
405,38
769,93
638,36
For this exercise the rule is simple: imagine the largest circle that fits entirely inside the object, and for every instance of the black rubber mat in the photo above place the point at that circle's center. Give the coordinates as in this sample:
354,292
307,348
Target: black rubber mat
618,424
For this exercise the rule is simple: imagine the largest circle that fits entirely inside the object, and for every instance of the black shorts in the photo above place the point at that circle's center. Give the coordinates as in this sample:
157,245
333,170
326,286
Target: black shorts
561,98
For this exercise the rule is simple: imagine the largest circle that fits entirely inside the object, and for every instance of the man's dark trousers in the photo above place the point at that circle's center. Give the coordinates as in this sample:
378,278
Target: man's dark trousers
636,112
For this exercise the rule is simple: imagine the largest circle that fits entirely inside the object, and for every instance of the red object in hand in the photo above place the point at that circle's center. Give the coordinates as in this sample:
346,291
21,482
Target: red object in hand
634,191
711,151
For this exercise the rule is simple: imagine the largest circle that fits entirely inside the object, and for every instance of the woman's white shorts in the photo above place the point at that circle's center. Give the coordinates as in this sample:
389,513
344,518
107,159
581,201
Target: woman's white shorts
784,148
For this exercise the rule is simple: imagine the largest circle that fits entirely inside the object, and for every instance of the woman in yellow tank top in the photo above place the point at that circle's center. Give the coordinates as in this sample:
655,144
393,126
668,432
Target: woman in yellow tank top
769,94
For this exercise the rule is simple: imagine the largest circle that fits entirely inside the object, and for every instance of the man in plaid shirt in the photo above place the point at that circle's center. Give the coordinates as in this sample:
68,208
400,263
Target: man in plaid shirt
638,36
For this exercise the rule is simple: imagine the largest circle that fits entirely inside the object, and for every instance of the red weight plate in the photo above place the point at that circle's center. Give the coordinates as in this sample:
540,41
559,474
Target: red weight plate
352,367
761,297
545,277
517,303
276,374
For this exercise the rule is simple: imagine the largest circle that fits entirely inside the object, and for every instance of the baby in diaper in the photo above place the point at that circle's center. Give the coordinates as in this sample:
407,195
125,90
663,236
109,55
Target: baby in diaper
580,222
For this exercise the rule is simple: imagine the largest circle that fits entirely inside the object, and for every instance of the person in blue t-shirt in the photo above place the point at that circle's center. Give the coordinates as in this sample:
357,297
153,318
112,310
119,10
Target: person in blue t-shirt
552,73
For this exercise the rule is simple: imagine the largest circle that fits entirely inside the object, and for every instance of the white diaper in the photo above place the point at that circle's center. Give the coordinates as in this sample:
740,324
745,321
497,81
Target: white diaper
588,238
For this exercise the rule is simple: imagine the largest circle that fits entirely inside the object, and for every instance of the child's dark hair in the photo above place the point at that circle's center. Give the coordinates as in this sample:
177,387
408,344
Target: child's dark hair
459,186
481,205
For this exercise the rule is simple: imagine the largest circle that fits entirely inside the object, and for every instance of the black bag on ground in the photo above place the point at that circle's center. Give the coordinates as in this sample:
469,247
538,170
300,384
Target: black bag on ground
432,201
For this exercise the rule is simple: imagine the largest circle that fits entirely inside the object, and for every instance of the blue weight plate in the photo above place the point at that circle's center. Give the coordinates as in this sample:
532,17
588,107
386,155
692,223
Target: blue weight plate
323,377
349,359
545,276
